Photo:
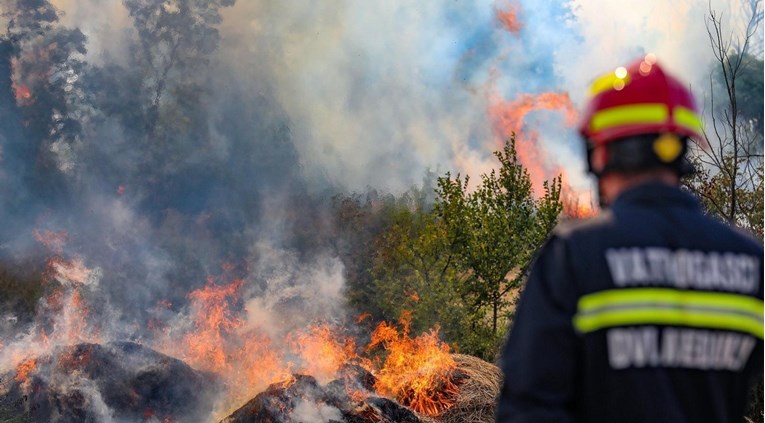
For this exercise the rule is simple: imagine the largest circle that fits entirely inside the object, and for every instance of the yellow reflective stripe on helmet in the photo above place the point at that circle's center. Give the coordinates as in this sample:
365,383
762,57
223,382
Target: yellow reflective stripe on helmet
632,114
665,306
687,118
609,81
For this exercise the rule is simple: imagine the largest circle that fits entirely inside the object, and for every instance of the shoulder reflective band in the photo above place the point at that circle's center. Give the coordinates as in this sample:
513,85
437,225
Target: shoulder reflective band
633,114
663,306
687,119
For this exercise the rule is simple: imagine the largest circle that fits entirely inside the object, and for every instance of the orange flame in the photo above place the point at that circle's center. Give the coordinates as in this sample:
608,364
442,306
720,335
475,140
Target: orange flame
70,272
577,205
363,316
509,19
508,118
213,319
65,309
67,305
323,351
211,343
417,371
413,295
67,315
24,369
54,241
21,92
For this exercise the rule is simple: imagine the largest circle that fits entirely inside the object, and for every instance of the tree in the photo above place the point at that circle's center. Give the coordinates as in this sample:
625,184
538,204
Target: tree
41,99
494,232
414,271
174,41
729,180
729,177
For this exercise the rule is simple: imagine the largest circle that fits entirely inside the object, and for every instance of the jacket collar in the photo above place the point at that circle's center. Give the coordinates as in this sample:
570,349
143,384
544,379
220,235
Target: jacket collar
656,194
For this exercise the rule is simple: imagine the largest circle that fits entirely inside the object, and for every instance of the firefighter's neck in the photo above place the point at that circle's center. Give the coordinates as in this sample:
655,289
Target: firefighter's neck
613,184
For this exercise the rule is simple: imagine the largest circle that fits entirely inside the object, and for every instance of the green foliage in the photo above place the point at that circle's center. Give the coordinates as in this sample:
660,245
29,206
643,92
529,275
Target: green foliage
456,265
414,270
493,232
716,187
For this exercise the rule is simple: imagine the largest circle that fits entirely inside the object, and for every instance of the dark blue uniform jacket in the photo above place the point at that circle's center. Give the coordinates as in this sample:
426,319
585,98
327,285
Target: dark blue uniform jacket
650,312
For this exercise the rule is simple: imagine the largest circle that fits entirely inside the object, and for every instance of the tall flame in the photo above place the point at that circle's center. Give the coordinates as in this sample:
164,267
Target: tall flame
65,313
322,350
248,359
417,371
213,320
509,117
577,205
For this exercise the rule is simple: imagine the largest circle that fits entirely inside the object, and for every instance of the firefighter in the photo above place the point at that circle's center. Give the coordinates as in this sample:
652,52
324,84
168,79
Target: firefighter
651,311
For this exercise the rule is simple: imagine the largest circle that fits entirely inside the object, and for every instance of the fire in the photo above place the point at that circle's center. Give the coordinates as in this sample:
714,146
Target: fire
260,364
210,342
68,305
25,369
508,118
323,350
413,295
65,316
577,205
362,317
417,371
22,93
212,319
71,272
509,19
54,241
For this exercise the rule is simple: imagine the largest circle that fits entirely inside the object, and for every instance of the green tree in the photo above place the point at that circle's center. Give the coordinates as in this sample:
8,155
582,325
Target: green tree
414,271
493,232
453,261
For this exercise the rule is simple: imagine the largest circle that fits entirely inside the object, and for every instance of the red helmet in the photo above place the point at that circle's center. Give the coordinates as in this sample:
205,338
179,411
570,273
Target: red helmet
636,100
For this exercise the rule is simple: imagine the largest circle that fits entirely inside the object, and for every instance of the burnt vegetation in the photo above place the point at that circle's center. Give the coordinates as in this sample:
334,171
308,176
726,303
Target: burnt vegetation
91,383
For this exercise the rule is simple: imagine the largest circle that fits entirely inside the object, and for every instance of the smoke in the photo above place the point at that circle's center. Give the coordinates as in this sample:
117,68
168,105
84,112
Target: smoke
312,412
283,286
376,93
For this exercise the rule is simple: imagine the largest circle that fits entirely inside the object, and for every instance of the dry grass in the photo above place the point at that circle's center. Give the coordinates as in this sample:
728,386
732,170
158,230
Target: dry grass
477,400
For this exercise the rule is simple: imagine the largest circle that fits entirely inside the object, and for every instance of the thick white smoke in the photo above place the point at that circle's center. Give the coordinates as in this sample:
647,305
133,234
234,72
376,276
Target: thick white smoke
378,92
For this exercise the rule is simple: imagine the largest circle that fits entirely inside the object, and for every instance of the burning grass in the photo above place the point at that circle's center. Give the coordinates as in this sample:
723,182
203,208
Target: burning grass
314,372
418,372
